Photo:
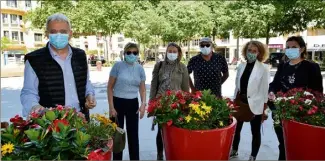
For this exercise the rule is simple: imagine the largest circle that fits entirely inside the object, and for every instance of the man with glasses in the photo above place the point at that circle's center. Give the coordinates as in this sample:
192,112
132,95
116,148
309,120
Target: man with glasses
58,73
210,69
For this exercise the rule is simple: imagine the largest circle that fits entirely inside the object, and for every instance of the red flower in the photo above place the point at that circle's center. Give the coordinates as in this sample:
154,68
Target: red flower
293,102
59,107
179,95
152,106
24,140
174,105
56,124
168,92
301,108
34,115
35,126
311,111
170,122
182,101
180,119
315,108
197,95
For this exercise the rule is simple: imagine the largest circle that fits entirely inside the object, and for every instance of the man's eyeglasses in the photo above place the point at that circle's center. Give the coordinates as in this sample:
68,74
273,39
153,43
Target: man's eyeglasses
130,52
203,45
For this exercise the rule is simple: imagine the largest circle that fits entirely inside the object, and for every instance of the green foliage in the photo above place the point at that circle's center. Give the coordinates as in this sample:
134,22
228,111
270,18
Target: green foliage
301,105
4,43
199,111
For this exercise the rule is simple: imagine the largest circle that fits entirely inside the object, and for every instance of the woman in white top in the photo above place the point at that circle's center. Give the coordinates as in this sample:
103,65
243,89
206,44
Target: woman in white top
252,83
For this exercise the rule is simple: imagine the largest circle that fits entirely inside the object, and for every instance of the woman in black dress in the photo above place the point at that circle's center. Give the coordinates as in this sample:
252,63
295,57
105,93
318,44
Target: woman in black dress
295,73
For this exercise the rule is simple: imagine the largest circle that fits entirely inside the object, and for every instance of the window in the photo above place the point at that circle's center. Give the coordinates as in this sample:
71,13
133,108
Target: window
6,34
196,42
38,37
5,19
120,39
14,35
21,37
28,3
120,46
12,3
14,19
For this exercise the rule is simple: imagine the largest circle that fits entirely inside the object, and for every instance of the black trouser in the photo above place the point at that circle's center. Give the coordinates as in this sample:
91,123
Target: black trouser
159,142
128,108
256,133
279,133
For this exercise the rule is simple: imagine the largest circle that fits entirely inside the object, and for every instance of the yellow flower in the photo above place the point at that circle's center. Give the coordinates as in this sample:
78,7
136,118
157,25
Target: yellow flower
207,109
221,123
114,125
194,106
7,148
188,118
16,132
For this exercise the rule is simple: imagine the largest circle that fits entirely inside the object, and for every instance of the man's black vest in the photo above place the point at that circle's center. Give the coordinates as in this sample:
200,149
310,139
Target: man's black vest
50,76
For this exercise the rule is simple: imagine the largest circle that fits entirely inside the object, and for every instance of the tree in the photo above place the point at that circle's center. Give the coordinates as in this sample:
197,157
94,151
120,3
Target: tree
38,16
4,43
191,18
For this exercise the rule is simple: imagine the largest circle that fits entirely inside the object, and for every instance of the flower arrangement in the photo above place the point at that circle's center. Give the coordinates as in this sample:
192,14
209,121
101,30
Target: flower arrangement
199,111
305,106
101,129
50,134
56,134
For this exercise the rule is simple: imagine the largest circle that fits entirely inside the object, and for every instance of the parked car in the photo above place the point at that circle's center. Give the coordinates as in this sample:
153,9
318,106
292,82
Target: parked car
93,59
275,59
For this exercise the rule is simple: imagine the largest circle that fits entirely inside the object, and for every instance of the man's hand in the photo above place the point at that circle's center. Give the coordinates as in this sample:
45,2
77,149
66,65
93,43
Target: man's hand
90,102
142,109
35,109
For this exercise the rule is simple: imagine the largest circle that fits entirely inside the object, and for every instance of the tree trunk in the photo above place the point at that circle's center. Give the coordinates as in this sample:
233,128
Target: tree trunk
188,49
237,52
267,35
214,33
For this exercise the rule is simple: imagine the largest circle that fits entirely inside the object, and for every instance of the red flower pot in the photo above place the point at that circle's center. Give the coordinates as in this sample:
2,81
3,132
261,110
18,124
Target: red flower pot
183,144
99,155
303,141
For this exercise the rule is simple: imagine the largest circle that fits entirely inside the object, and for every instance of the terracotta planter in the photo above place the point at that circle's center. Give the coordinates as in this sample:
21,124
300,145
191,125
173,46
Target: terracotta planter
183,144
100,155
303,141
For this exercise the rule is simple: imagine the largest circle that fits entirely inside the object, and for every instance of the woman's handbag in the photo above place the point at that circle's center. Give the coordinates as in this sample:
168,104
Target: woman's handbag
243,112
118,138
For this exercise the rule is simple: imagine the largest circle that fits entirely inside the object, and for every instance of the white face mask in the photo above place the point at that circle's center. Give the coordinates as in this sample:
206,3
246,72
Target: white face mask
172,56
205,50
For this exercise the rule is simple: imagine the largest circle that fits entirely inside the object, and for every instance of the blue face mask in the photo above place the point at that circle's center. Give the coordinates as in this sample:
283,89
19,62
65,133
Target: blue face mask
292,53
59,41
131,58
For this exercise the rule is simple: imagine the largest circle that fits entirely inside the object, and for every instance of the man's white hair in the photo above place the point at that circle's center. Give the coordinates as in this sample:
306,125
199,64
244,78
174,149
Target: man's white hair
57,17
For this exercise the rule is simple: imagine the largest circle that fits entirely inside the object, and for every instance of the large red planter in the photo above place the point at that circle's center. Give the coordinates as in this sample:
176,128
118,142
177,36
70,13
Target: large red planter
100,155
183,144
303,141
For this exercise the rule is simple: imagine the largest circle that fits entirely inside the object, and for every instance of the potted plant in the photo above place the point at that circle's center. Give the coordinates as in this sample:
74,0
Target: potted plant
303,119
101,129
50,134
194,126
58,133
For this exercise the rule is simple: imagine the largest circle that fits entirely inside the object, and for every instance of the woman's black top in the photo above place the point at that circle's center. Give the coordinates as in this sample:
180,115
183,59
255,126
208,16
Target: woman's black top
305,74
244,81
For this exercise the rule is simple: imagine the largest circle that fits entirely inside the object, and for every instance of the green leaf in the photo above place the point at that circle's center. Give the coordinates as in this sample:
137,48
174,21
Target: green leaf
7,137
32,134
50,115
28,144
40,122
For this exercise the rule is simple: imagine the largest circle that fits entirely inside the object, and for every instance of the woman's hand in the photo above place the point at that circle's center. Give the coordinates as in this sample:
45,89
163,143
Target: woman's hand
112,112
142,109
271,96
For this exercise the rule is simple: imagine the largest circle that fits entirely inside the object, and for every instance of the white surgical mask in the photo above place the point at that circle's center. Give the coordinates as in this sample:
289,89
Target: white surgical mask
172,56
205,50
